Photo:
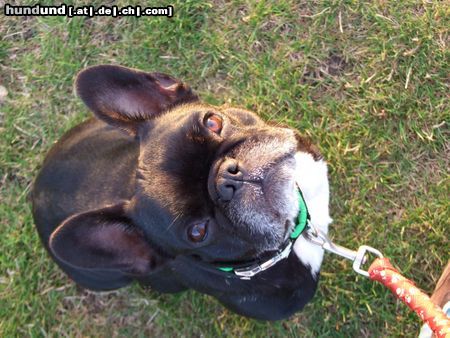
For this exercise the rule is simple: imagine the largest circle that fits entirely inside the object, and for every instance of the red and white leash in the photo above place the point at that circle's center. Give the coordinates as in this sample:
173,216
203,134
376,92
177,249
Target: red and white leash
382,271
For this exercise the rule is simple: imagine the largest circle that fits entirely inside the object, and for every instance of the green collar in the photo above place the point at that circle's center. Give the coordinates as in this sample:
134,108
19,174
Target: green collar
253,269
303,216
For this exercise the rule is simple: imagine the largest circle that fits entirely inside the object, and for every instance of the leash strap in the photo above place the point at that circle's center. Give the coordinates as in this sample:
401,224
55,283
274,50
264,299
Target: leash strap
382,271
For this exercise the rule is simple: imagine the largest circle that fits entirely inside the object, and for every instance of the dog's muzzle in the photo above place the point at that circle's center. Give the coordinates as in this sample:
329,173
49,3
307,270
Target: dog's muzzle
248,270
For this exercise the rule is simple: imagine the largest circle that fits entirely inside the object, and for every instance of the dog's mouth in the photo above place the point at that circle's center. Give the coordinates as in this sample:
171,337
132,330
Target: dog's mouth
278,182
266,259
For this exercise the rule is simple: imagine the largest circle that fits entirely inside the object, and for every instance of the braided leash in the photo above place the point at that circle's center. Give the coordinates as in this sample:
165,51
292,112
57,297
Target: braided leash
382,271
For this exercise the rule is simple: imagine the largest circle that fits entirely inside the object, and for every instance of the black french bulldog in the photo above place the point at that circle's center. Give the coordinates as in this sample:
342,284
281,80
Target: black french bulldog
171,192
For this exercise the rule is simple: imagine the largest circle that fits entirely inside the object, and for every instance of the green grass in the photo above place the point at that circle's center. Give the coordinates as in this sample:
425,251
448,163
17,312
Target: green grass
368,81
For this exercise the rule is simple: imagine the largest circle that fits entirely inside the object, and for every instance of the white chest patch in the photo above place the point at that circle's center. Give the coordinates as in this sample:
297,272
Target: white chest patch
311,176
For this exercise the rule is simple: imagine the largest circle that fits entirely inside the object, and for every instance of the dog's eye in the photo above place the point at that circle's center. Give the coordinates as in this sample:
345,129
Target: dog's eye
198,232
213,122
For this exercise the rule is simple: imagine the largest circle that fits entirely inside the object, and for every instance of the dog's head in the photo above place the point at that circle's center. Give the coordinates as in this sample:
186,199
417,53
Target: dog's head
212,182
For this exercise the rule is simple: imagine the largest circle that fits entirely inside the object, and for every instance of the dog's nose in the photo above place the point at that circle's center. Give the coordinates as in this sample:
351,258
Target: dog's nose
229,179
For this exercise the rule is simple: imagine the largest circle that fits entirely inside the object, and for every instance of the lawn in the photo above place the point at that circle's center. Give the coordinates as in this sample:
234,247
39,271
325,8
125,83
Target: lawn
367,81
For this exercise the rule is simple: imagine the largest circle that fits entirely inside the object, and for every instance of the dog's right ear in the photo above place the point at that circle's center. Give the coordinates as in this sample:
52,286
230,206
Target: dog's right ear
123,97
104,239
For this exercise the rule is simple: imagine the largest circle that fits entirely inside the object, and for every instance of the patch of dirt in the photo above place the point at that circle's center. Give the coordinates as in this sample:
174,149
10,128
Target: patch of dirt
101,36
3,95
278,25
113,310
14,177
18,28
258,47
216,84
333,66
295,57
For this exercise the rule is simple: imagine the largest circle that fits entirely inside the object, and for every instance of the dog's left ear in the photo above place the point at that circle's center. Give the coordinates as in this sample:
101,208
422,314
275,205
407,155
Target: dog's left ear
104,239
123,97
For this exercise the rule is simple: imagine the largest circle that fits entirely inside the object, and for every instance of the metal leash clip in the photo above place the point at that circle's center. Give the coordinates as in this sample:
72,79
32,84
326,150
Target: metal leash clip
358,258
